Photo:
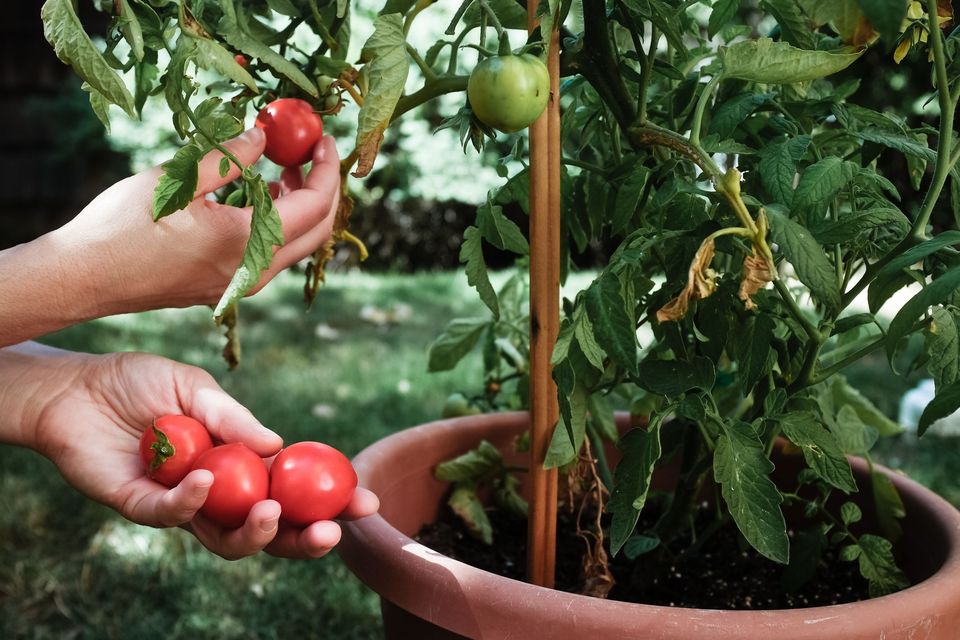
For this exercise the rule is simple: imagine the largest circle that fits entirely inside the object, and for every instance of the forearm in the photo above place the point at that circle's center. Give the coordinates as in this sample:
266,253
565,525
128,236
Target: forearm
42,289
31,377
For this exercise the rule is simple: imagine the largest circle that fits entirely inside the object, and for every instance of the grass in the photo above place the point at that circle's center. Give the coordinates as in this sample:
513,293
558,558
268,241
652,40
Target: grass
70,568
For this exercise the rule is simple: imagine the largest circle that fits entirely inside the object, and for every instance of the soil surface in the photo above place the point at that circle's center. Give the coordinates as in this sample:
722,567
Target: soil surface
723,574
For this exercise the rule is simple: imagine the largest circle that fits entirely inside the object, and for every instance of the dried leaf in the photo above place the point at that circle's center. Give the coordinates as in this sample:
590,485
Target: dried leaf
756,275
701,282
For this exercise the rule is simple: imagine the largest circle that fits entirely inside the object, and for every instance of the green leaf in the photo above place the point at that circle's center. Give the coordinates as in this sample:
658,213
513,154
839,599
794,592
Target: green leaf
753,351
851,225
266,232
467,506
778,166
471,255
886,15
794,27
602,417
888,505
932,294
769,62
568,436
499,230
808,259
731,113
457,340
671,378
628,198
820,449
64,32
942,346
387,66
637,545
583,331
901,143
878,566
880,289
210,55
742,468
235,30
849,323
805,553
854,436
176,187
850,513
131,29
506,495
845,395
641,450
99,104
723,12
614,329
472,466
943,404
819,184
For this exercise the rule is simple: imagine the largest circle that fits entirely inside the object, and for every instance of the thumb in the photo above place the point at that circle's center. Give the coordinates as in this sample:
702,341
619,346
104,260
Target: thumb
247,148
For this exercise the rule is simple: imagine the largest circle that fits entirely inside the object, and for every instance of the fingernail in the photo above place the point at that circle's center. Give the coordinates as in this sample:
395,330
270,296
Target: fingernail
269,525
327,146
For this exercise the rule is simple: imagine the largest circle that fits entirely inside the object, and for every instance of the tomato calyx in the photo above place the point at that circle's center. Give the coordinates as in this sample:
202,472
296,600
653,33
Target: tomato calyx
162,448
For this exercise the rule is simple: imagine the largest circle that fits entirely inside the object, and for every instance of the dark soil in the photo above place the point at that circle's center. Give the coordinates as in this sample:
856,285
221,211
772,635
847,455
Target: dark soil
723,574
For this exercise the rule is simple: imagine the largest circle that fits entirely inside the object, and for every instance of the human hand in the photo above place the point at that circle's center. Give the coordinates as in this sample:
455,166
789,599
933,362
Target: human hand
189,257
91,427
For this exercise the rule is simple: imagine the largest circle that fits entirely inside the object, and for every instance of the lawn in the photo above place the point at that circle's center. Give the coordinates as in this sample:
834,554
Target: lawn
348,372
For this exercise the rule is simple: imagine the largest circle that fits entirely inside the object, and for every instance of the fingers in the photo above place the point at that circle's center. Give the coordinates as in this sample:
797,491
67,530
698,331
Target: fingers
258,531
314,541
226,419
150,504
291,179
247,148
302,209
364,503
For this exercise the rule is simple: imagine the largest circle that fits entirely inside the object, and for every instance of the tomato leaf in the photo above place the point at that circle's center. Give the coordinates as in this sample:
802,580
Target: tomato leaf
471,255
454,343
723,12
942,346
210,55
879,567
943,404
266,232
819,184
99,104
769,62
742,468
671,378
778,166
807,257
568,435
386,66
499,230
886,15
932,294
130,28
880,289
820,449
793,24
731,113
641,450
467,506
63,30
176,187
485,459
613,328
628,198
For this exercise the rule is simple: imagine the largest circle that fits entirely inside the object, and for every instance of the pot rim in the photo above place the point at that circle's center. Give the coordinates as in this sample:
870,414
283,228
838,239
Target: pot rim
376,539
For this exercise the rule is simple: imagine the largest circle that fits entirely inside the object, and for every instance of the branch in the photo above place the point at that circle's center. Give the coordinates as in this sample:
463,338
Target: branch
429,91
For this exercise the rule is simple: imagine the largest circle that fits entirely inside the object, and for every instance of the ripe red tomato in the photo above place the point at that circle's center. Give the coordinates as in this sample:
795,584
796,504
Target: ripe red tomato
241,60
311,481
292,130
170,446
240,480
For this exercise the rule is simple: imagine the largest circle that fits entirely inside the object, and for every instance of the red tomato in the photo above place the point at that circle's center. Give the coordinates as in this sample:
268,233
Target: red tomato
311,481
240,480
292,130
170,447
241,60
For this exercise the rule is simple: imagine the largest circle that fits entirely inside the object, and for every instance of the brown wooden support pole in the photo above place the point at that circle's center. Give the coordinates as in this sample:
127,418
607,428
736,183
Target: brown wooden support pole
544,321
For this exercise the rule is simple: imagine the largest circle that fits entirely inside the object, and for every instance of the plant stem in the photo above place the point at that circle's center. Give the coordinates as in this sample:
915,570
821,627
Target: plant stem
429,91
494,20
701,107
428,73
812,332
826,372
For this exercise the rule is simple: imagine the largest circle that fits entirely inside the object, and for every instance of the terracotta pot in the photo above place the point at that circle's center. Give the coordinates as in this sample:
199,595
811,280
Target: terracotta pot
428,596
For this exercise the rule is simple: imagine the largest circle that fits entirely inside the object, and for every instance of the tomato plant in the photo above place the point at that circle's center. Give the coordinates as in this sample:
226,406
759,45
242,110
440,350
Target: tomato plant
457,405
311,481
292,129
169,448
240,480
509,92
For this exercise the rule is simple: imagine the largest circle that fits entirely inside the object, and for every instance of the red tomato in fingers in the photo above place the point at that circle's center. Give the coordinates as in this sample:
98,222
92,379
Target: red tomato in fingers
292,129
170,446
240,480
311,481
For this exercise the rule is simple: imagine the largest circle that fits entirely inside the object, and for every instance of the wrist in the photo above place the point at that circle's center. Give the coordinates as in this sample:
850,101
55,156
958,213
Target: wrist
33,378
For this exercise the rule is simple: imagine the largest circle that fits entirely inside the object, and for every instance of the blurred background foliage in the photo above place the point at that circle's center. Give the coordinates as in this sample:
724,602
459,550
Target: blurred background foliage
350,371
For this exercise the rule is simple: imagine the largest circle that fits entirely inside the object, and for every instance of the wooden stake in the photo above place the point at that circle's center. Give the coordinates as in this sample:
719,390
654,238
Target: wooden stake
544,320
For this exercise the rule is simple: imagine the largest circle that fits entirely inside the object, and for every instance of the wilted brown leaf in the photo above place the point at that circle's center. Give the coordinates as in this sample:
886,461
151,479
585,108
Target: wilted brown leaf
701,282
756,275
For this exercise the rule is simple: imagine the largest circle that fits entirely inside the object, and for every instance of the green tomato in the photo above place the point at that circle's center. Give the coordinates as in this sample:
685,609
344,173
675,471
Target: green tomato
457,405
509,92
